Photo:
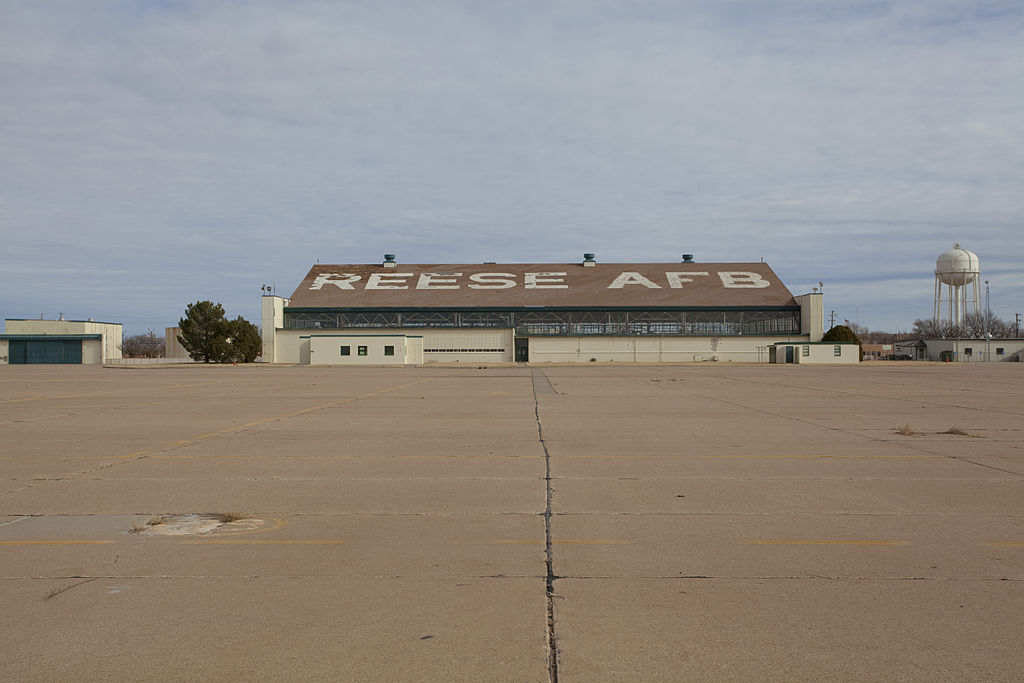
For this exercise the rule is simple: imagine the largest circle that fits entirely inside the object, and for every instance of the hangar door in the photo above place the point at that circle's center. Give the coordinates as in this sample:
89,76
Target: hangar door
24,351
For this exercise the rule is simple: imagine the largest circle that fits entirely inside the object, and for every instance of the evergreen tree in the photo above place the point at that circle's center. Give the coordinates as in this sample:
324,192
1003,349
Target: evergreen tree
245,341
204,332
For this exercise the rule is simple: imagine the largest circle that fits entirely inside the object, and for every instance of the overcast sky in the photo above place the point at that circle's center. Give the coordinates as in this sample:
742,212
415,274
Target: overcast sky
157,153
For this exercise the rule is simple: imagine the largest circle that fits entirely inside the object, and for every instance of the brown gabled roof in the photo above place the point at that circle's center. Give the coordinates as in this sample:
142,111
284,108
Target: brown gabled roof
475,285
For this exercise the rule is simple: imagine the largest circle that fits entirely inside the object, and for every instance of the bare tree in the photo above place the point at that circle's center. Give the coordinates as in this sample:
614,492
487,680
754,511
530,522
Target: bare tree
974,326
147,345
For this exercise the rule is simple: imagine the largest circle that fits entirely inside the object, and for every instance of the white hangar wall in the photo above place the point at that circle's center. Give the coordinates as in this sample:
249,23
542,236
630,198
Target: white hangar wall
649,349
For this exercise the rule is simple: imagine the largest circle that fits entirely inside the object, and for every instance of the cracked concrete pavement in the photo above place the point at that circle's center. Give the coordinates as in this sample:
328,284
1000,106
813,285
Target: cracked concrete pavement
575,523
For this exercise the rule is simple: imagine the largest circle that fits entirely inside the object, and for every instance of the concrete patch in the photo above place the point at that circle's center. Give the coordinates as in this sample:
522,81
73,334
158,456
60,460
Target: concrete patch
197,524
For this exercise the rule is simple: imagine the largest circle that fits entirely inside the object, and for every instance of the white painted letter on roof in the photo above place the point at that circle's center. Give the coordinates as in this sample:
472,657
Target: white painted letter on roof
387,281
545,281
741,279
631,278
438,281
676,280
492,280
339,280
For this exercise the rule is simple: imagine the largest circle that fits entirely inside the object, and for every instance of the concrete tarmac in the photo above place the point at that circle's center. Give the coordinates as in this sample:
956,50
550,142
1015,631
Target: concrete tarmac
698,522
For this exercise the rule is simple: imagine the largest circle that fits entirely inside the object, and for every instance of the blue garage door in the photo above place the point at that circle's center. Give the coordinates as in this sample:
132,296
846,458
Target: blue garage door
50,351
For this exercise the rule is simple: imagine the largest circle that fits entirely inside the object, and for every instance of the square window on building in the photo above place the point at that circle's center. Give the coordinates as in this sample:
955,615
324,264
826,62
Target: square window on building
807,350
361,350
968,351
837,350
346,350
999,350
389,350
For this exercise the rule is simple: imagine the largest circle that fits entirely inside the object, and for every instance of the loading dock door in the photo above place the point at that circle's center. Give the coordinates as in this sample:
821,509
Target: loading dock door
27,351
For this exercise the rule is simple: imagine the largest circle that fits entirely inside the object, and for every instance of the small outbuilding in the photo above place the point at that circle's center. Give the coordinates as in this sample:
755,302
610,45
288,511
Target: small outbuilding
78,342
361,349
814,353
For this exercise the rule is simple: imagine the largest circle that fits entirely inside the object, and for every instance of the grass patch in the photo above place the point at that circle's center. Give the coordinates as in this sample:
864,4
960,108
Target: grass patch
905,430
139,526
54,592
228,517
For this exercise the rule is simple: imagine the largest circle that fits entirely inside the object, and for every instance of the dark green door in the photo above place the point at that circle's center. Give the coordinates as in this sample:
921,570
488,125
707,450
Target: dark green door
72,352
16,351
789,354
45,351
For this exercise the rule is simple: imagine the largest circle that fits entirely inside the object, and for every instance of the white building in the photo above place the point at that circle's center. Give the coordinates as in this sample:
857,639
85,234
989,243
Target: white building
975,350
570,312
815,353
28,341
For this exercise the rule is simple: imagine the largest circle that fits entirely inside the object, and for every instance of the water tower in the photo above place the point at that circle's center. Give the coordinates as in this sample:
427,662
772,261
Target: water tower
956,285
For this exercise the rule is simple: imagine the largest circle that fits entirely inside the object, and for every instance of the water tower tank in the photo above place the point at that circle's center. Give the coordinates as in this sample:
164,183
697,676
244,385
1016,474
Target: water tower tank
957,267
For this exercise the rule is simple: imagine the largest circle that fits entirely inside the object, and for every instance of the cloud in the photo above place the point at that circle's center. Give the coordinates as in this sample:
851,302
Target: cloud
216,145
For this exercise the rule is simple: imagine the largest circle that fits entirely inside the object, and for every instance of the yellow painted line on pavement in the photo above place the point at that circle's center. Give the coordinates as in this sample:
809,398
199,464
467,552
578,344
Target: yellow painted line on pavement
823,541
770,457
322,456
54,542
293,414
42,397
1009,544
132,455
330,404
260,541
566,541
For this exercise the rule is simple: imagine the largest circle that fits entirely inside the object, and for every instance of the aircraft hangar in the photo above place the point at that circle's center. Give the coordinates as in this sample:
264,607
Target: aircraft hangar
392,313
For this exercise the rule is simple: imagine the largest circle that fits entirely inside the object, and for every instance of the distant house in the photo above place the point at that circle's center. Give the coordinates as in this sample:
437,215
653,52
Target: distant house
877,351
912,349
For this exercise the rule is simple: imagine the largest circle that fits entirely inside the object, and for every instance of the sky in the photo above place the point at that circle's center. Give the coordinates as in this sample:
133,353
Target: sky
157,153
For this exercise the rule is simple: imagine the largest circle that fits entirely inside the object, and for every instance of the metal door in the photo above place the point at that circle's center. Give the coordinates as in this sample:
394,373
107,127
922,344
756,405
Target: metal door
45,351
16,351
522,346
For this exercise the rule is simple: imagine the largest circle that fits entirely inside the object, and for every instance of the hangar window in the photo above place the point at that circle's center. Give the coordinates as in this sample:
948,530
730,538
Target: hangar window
837,350
999,350
389,350
968,351
807,350
346,350
361,350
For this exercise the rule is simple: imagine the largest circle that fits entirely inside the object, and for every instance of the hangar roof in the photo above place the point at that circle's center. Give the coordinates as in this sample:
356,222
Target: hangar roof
524,285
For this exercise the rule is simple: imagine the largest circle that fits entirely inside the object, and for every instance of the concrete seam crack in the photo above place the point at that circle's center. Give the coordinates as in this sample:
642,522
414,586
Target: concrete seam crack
549,558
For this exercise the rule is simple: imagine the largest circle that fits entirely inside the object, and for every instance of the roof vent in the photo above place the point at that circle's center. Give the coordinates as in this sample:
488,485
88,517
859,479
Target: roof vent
389,261
687,258
588,260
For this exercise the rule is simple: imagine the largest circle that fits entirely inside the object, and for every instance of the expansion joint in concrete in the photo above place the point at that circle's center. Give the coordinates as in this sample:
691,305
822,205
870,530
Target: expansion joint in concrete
548,554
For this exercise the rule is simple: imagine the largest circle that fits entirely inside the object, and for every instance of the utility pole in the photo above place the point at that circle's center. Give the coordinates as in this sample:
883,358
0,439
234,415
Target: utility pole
1016,326
988,335
832,320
